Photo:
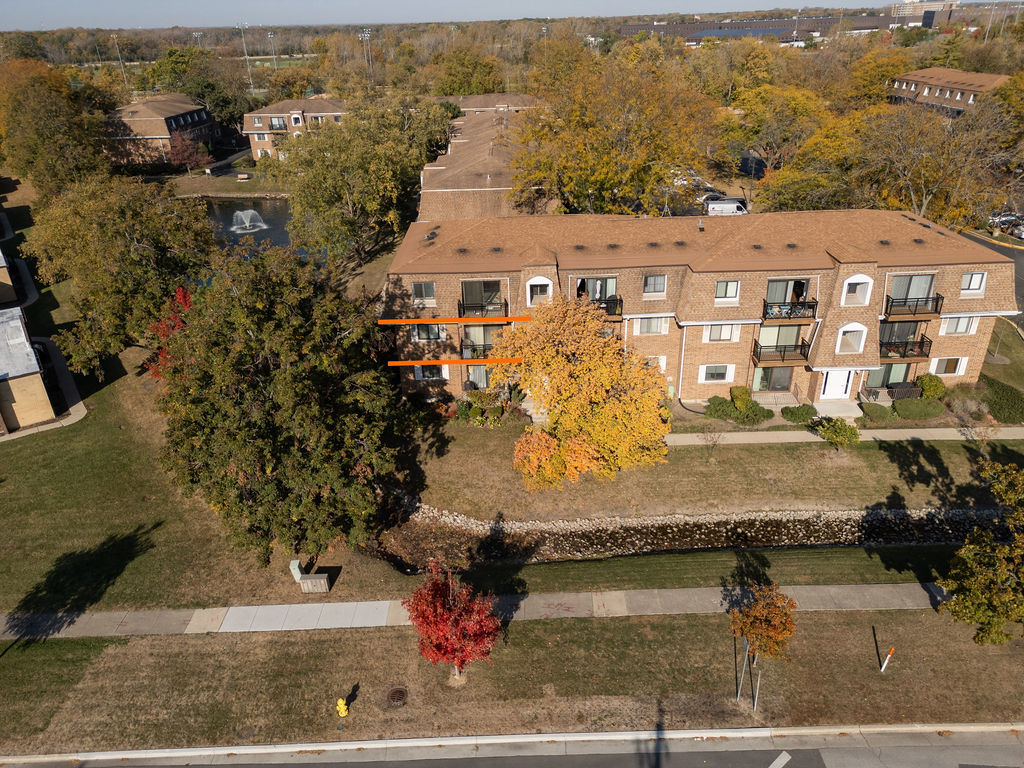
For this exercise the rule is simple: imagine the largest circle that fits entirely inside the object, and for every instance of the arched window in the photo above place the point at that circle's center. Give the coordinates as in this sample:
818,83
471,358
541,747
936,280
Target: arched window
851,339
856,291
538,291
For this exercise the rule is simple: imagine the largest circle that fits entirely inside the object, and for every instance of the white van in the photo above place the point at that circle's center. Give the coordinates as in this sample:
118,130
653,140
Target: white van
729,206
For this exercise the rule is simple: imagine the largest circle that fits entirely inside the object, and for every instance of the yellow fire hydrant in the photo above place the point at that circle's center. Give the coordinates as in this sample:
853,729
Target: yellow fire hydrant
342,712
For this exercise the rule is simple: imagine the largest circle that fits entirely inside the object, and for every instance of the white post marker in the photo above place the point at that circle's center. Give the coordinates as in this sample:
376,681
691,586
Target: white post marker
781,760
886,662
743,671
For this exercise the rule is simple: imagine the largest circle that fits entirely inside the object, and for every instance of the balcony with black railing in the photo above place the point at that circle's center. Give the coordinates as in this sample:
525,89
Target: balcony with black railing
789,312
924,306
472,351
612,306
496,308
781,354
903,350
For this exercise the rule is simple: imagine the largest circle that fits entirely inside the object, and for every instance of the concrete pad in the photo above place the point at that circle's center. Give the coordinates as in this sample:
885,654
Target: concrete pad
155,623
371,614
238,619
99,624
699,600
509,607
397,615
607,604
205,620
29,625
302,616
811,598
558,605
644,602
269,618
336,616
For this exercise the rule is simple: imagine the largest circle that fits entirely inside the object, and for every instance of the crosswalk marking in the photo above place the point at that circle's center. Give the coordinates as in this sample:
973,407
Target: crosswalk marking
781,760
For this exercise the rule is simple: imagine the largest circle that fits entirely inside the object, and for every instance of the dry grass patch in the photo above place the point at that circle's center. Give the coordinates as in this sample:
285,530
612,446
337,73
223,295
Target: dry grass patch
559,675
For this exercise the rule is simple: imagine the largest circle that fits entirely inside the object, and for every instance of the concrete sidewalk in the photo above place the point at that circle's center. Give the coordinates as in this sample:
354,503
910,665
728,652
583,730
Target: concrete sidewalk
878,435
390,613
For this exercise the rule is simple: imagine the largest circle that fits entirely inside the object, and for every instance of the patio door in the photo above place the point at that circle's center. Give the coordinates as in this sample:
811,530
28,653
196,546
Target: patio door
481,293
772,379
897,332
912,286
783,291
887,375
595,288
779,335
836,385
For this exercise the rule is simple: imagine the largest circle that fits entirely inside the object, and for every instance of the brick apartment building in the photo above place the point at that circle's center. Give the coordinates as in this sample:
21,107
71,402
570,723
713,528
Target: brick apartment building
801,306
473,178
23,398
290,117
950,89
141,132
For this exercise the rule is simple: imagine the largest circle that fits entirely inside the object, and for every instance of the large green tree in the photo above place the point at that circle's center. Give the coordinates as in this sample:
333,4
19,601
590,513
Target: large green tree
986,577
278,407
774,122
220,85
621,135
465,72
125,245
352,184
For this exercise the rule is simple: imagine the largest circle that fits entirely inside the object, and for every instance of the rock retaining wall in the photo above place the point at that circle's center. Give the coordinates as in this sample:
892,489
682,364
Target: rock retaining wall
458,541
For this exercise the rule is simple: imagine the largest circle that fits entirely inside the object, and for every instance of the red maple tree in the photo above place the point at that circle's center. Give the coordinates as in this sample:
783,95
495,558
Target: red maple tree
455,626
164,329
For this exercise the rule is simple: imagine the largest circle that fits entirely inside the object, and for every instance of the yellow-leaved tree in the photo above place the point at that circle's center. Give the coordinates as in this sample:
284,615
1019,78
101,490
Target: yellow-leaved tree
603,404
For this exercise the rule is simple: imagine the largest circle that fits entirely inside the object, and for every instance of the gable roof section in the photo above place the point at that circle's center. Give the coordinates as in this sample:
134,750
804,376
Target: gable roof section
309,106
149,116
799,240
955,78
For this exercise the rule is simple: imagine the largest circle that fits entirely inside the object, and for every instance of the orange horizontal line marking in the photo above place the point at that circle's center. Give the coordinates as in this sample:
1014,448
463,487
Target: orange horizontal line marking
464,361
436,320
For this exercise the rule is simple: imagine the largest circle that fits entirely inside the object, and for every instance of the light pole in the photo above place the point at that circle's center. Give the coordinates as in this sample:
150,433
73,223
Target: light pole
245,50
453,29
198,37
273,50
120,60
367,55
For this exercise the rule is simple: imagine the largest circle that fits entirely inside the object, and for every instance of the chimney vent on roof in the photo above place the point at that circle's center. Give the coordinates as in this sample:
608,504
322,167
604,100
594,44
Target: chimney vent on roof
430,235
756,246
884,242
613,246
700,225
496,249
918,240
653,244
680,243
579,247
462,250
791,245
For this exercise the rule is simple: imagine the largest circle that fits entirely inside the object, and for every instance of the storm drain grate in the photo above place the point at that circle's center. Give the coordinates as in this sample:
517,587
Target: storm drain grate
397,696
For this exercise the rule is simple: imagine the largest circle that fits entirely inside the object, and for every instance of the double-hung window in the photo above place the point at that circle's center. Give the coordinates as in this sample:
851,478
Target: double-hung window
727,292
654,286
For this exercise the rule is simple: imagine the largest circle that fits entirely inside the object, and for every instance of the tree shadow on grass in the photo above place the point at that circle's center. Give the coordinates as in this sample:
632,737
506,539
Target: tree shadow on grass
495,567
75,582
921,464
751,570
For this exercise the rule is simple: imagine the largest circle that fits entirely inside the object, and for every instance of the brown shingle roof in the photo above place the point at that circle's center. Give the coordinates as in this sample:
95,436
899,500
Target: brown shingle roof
478,158
493,101
955,78
148,117
309,106
792,241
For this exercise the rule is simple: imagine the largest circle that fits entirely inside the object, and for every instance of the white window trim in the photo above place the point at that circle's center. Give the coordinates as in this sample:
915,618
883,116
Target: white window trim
257,122
856,279
663,326
972,326
662,359
977,293
539,281
733,301
261,137
960,367
296,119
424,302
442,334
418,373
734,334
655,295
851,327
730,374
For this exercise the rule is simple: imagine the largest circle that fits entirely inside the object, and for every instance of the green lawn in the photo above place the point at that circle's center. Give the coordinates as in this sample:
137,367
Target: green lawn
475,477
1007,343
546,676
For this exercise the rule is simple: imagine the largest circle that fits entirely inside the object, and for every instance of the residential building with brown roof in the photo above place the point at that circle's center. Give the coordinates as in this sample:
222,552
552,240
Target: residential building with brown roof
23,398
291,117
141,132
801,306
473,178
951,89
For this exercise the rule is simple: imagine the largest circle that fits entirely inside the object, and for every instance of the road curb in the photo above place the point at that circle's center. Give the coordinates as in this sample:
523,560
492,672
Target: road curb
519,744
988,239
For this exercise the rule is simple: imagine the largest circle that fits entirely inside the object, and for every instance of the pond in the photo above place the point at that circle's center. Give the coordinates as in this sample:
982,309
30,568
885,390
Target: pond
262,218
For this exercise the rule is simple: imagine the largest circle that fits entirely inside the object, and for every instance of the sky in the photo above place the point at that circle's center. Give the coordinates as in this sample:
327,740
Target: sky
126,14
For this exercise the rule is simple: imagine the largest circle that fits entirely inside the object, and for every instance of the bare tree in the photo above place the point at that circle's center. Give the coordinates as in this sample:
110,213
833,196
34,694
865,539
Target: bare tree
711,433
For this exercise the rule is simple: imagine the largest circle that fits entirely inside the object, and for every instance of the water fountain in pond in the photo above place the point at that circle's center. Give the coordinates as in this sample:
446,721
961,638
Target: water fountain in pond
247,221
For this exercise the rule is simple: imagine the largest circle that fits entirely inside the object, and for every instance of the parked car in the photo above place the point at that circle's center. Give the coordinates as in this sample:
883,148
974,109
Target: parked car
727,206
1018,232
1005,220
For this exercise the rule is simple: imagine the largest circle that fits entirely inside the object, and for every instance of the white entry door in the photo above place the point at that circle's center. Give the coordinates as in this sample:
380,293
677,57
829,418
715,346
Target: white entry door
836,385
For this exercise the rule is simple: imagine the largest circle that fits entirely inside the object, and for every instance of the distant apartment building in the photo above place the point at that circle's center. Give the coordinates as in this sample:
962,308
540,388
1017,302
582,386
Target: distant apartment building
23,398
801,306
784,29
918,8
141,132
473,178
291,117
952,90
